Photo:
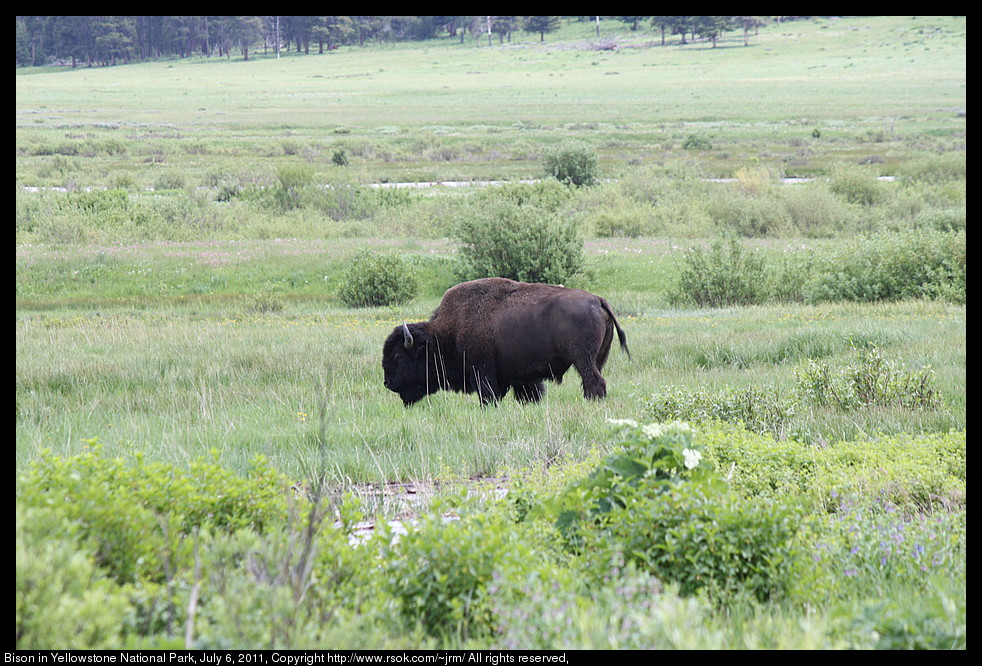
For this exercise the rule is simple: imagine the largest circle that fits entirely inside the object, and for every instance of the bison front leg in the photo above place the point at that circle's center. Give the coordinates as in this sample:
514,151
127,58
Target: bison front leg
487,386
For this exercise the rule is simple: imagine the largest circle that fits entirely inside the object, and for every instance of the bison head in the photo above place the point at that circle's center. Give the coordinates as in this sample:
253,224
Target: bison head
405,365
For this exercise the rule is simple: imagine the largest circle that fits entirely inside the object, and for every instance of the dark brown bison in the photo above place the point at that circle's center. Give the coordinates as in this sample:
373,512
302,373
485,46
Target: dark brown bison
494,334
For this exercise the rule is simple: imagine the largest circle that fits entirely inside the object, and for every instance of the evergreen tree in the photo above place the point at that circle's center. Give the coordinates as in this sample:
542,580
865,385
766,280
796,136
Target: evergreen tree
541,25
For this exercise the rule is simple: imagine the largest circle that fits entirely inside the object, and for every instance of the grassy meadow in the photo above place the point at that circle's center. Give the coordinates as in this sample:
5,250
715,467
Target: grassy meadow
182,231
254,365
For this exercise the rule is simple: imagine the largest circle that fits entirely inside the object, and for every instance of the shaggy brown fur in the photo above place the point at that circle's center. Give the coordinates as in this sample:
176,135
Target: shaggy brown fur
494,334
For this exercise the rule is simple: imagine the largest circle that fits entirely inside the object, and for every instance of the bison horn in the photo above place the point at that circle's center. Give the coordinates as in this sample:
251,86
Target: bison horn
407,337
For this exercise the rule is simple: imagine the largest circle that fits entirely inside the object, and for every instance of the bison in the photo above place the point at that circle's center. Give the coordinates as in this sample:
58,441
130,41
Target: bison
494,334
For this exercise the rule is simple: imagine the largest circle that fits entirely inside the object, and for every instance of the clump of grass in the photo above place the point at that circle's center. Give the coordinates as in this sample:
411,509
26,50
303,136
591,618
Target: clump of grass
264,302
871,381
760,408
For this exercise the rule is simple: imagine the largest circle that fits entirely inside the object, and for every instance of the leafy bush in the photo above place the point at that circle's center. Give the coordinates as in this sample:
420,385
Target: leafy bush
913,472
814,211
292,180
868,541
726,274
856,184
442,572
655,501
375,279
340,158
701,538
697,142
749,214
894,266
612,214
637,611
263,302
519,233
760,408
100,201
64,600
572,163
611,551
921,263
138,513
872,381
932,168
293,586
933,620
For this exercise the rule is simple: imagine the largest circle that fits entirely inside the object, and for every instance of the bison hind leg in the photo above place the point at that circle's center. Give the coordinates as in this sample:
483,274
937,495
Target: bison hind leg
529,391
594,385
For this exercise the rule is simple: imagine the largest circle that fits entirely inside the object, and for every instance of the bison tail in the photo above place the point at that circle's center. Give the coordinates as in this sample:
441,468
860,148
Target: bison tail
620,331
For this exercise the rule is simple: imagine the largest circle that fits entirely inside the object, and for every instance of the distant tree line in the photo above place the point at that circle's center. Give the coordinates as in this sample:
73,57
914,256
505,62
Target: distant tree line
111,40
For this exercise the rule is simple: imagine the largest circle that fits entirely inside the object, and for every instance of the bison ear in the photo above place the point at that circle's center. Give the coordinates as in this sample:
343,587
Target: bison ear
407,337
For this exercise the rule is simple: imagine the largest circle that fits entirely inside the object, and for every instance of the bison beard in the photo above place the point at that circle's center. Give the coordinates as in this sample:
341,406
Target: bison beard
491,335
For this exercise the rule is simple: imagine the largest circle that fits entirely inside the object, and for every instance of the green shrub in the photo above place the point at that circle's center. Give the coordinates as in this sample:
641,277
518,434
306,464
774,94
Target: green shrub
548,196
654,500
815,212
637,611
340,158
760,408
944,219
519,233
138,514
263,302
934,619
726,274
932,168
289,587
610,213
887,266
871,561
698,538
100,201
697,142
892,266
64,601
871,381
227,190
572,163
856,184
441,573
292,181
913,472
375,279
749,215
170,180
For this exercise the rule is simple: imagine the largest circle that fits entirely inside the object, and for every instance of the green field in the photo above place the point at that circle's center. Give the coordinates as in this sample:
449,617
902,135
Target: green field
182,233
891,86
168,349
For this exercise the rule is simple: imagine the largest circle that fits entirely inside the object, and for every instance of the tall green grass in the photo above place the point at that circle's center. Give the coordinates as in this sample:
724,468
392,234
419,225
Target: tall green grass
178,381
